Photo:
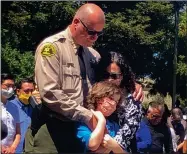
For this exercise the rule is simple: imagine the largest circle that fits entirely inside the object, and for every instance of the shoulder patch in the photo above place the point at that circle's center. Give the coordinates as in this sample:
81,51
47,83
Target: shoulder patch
48,50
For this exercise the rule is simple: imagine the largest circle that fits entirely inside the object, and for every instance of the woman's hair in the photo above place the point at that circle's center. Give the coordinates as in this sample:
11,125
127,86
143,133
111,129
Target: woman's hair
128,80
100,90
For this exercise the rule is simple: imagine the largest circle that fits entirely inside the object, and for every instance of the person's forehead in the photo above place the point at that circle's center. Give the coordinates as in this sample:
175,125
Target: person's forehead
116,96
113,67
8,81
27,85
93,22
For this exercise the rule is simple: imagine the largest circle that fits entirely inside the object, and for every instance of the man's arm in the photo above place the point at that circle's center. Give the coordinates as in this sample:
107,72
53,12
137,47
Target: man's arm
48,77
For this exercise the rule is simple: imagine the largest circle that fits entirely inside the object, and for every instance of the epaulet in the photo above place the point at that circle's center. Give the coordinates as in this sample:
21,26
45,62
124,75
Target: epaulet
55,38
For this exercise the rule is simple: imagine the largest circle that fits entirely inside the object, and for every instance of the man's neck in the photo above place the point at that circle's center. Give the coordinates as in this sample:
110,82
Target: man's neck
3,100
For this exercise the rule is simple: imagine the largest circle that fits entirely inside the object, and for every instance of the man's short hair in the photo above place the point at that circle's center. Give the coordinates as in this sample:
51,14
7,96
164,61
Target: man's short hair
6,76
157,103
25,80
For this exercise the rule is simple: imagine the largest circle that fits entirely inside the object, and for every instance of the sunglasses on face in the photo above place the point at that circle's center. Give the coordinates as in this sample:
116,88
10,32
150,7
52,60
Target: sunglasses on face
113,75
91,32
156,116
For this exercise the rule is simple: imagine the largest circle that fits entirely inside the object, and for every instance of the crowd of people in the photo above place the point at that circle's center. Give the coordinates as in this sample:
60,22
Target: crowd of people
83,101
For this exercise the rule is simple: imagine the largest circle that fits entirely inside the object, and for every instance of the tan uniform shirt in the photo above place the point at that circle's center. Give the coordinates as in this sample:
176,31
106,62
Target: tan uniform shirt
57,74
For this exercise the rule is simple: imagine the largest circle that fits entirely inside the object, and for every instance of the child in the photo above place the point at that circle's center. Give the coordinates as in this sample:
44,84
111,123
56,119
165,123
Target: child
103,98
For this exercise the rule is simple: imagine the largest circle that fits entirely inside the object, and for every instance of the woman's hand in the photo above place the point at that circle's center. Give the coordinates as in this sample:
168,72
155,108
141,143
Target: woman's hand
9,150
3,149
138,93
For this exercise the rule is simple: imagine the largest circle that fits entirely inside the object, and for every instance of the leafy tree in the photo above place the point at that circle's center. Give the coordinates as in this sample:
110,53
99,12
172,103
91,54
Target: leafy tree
18,64
142,31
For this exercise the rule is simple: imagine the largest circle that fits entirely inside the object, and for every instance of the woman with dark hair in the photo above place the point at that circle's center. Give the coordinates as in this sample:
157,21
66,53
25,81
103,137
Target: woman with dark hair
114,68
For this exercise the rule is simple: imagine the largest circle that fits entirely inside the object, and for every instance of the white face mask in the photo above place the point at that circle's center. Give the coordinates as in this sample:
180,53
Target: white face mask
7,93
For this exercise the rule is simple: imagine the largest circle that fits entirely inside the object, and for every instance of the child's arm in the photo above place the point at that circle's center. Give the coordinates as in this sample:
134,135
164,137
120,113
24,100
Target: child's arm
111,144
98,133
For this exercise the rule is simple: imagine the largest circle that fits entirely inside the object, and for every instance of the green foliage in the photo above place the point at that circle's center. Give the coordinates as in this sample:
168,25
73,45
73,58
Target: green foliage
142,31
19,64
183,24
182,66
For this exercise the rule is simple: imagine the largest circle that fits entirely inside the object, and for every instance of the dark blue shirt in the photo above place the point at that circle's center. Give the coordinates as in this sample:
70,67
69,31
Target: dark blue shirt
25,112
143,138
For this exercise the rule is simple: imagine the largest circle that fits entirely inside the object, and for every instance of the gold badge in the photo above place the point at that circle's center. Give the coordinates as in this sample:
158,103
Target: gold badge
48,50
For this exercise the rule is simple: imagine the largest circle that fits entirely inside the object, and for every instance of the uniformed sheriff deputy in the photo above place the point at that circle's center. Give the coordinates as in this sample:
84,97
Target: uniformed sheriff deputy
63,77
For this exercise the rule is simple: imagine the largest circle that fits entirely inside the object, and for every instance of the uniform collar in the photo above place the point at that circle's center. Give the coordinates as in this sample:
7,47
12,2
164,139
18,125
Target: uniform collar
70,38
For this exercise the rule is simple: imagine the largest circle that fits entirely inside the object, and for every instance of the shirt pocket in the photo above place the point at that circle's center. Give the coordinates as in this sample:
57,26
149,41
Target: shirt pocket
70,76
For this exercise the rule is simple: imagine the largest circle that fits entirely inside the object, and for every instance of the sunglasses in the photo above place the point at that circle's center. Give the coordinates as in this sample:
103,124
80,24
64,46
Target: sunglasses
91,32
113,75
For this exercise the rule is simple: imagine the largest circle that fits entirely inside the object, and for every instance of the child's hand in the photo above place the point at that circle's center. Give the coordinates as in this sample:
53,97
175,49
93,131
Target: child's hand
109,142
100,117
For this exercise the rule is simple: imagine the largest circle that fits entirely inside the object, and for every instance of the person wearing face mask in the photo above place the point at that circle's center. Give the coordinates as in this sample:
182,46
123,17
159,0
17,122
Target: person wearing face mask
10,115
24,90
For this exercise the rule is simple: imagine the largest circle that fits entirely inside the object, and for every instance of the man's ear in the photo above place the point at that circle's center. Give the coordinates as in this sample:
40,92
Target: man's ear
148,114
76,21
17,91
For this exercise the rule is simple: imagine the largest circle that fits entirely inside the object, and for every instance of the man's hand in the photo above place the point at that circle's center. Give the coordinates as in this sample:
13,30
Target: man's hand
138,93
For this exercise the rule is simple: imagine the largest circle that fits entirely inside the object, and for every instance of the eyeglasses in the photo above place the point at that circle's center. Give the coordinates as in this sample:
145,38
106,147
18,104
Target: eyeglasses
91,32
156,116
9,85
113,75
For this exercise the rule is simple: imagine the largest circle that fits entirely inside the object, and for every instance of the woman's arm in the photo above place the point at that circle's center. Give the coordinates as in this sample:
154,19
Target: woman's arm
180,146
14,145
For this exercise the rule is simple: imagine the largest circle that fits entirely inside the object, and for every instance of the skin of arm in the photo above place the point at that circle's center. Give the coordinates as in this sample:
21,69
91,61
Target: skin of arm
180,146
98,133
14,145
111,144
185,146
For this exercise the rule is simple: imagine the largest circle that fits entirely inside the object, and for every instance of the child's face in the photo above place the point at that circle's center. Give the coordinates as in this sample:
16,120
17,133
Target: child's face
107,105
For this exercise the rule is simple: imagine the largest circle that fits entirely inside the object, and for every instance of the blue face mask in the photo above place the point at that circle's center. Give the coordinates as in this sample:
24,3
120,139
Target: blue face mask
7,93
